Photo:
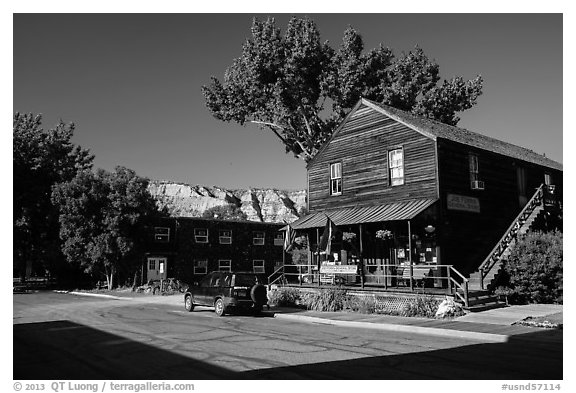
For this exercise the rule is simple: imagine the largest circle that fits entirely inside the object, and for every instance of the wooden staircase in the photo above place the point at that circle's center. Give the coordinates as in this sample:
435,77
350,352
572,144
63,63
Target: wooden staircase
490,268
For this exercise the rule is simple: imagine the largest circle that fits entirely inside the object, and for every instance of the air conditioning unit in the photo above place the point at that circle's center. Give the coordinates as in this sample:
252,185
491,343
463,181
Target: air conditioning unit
477,185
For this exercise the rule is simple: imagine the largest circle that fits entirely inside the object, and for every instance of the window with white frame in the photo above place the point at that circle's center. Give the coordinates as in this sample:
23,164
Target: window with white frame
201,235
225,265
151,264
474,167
396,166
258,239
258,265
279,239
548,179
161,234
200,266
336,178
225,237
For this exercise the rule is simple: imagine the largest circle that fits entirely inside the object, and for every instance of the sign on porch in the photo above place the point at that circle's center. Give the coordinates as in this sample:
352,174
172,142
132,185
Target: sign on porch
338,269
463,203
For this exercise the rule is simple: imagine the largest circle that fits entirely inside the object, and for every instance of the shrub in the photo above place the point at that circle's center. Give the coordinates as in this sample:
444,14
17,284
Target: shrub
361,304
284,297
325,300
421,306
535,268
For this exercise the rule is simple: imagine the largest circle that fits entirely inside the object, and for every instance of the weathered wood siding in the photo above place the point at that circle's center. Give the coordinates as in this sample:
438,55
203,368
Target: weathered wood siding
468,237
362,147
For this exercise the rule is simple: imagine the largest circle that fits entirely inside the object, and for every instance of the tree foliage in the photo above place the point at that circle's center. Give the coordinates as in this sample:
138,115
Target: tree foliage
104,220
225,212
41,159
535,268
285,82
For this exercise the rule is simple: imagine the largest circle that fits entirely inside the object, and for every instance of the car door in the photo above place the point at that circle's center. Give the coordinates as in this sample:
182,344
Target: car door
213,289
202,290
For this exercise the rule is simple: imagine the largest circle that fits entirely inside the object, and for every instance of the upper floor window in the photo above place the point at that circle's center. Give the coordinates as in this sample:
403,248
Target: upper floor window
396,166
225,237
161,234
201,235
474,169
336,178
258,239
279,239
548,179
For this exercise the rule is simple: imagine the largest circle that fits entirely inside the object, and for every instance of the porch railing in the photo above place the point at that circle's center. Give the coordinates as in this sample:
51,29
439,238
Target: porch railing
510,234
419,277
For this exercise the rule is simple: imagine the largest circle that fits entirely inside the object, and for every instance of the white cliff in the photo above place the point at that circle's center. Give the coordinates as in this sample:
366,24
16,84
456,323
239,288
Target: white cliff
264,205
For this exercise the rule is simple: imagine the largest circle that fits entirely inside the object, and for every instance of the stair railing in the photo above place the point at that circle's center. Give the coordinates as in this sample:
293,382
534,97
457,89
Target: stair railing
510,235
463,285
280,276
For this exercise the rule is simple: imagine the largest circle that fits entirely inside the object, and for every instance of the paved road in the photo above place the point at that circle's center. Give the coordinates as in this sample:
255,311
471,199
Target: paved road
60,336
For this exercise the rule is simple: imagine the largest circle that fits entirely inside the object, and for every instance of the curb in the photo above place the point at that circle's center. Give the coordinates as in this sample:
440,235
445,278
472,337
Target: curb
486,337
94,295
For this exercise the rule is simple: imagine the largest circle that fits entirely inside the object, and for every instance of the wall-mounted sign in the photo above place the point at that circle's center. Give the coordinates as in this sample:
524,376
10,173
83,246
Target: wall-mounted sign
463,203
338,269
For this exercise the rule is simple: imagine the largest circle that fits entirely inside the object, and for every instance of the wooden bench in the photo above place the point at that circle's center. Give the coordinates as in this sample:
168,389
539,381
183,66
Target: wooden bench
419,273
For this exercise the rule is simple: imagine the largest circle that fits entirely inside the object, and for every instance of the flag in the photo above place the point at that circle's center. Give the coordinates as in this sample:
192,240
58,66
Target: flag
330,230
289,238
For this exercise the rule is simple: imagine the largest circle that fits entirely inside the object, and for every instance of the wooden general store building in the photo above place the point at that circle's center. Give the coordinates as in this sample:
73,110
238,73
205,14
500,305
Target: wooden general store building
436,195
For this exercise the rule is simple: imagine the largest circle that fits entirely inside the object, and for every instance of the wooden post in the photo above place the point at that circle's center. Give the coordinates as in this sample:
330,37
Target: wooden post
410,256
361,259
318,253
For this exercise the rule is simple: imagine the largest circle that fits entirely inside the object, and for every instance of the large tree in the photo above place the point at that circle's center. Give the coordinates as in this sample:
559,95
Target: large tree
41,159
104,220
285,83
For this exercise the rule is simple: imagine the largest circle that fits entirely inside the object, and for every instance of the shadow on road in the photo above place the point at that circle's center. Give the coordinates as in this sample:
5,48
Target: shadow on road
66,350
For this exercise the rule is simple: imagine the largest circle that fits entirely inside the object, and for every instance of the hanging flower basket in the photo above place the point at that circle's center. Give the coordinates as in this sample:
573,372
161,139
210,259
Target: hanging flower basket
384,234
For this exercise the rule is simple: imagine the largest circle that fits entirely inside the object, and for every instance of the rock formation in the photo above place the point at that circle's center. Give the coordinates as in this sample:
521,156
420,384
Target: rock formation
264,205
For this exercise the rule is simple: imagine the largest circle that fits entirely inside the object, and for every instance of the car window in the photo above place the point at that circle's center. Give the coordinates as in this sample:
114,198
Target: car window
206,281
227,280
215,282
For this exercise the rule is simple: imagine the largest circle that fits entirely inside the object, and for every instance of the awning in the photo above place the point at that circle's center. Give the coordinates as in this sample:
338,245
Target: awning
404,210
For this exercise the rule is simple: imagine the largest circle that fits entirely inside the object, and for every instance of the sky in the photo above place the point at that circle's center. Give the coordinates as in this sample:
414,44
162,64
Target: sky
132,84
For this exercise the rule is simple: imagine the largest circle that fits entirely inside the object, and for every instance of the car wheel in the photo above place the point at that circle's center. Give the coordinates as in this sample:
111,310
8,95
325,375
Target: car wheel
188,303
219,307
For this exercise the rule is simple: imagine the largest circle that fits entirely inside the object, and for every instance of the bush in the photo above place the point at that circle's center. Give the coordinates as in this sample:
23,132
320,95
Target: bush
535,268
284,297
421,306
325,300
361,304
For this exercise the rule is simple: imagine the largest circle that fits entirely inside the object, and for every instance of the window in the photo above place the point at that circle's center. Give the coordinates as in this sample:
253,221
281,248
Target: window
336,178
201,267
151,264
548,179
225,237
258,265
258,239
279,239
396,167
201,235
225,265
474,168
161,234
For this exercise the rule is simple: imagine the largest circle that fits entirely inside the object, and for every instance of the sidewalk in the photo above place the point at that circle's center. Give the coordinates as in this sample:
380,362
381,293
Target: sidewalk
489,326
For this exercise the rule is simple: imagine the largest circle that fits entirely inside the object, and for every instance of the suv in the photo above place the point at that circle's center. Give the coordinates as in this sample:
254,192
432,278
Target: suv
225,291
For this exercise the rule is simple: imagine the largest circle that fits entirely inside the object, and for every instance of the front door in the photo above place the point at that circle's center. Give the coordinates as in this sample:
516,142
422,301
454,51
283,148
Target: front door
157,268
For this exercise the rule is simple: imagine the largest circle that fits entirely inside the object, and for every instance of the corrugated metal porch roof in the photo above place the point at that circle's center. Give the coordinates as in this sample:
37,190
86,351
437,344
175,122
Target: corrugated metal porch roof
394,211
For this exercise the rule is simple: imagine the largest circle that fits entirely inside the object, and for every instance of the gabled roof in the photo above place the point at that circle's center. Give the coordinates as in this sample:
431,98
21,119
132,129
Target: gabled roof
434,129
